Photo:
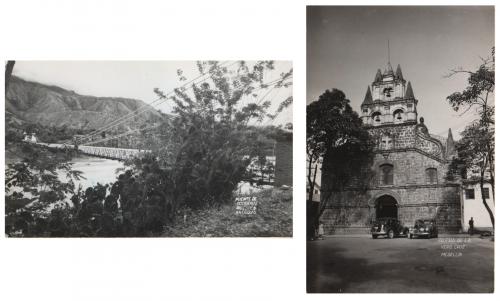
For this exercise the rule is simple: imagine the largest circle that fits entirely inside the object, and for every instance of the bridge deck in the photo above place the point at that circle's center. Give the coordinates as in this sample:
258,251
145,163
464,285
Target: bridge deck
97,151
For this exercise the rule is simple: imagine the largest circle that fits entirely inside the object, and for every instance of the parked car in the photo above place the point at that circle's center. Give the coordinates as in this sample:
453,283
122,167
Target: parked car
388,227
424,228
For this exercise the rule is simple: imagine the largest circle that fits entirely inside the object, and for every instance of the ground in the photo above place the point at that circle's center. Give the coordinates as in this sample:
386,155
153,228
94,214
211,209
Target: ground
273,218
448,264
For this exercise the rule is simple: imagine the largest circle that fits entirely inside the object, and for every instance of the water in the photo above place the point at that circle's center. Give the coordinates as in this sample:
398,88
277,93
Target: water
98,170
95,170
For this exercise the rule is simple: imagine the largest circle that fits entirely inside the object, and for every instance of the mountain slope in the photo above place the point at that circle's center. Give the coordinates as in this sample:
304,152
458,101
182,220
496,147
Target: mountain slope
54,106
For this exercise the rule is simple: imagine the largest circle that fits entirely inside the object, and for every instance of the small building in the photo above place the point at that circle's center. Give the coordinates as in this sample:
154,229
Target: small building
30,138
473,205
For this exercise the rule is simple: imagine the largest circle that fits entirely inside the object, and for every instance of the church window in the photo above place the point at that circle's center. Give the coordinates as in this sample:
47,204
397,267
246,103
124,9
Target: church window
376,117
388,91
386,174
431,175
486,193
365,110
398,115
469,194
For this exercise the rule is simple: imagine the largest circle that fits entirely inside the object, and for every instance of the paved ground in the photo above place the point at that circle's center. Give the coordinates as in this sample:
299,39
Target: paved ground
451,264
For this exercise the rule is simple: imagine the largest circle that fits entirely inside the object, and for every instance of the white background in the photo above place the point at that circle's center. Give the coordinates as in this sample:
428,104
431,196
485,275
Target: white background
155,269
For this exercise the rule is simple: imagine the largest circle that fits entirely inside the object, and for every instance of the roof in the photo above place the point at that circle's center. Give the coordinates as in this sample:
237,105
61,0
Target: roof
409,91
378,76
440,138
368,97
399,73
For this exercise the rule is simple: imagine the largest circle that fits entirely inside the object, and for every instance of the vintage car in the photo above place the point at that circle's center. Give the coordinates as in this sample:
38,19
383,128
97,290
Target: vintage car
424,228
388,227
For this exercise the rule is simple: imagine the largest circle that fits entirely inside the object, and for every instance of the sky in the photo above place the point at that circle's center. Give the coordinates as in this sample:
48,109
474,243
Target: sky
136,79
346,45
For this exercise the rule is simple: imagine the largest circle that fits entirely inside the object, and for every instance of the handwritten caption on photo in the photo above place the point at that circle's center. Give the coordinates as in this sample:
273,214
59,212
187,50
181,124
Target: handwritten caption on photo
246,205
453,247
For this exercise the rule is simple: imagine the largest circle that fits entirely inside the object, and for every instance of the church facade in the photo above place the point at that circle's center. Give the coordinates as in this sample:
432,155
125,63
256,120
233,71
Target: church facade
407,179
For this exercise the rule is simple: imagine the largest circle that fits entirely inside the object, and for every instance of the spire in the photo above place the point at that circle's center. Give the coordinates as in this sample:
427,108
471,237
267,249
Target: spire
399,73
388,51
378,76
388,69
450,144
409,91
368,97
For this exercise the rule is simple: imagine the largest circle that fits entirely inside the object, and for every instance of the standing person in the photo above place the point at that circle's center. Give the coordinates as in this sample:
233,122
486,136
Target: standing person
321,231
471,226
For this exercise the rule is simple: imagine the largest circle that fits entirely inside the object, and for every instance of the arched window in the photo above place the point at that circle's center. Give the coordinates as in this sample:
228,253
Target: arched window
431,176
376,117
398,115
386,174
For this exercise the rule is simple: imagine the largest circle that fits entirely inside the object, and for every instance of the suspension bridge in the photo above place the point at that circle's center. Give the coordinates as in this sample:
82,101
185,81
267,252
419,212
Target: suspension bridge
86,144
98,151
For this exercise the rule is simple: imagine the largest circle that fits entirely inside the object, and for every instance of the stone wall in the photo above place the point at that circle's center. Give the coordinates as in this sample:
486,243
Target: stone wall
354,210
403,136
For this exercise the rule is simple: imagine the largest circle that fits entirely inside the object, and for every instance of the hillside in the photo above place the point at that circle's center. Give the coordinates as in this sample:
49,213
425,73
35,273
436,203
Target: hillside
54,106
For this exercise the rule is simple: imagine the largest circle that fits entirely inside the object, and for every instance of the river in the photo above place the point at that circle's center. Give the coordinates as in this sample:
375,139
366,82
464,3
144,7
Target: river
95,170
98,170
104,171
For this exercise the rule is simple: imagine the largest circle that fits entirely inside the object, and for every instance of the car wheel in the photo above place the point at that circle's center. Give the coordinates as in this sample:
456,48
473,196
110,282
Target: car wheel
390,234
374,236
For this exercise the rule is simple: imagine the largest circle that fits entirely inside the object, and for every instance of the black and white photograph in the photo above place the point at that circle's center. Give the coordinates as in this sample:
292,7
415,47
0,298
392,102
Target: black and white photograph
148,148
400,149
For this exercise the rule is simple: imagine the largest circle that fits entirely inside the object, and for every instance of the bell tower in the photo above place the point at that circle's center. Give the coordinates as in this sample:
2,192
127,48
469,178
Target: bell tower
389,99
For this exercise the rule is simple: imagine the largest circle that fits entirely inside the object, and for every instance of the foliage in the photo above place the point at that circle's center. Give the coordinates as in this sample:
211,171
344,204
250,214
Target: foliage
47,134
335,133
476,148
34,189
475,151
9,66
203,148
481,84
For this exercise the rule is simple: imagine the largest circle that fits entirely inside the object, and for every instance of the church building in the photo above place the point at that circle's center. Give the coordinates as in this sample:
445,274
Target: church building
407,179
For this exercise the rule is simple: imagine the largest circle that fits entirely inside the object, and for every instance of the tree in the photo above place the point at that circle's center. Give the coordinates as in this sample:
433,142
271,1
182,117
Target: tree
474,151
477,146
9,67
34,190
204,146
335,133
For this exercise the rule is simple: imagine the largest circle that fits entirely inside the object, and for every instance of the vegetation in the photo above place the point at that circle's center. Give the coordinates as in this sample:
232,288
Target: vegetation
476,148
198,157
35,195
336,134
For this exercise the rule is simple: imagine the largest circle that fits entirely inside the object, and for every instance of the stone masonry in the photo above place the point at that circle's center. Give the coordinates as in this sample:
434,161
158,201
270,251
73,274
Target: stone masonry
408,173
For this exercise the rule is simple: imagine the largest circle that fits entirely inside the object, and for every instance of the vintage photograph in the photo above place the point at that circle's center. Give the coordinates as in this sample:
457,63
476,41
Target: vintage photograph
400,149
148,148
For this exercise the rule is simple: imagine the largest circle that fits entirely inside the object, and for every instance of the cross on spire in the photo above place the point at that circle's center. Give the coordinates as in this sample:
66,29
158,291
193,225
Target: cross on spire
388,51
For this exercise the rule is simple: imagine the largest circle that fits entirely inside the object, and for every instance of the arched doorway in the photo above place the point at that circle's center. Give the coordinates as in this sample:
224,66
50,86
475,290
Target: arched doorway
386,206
